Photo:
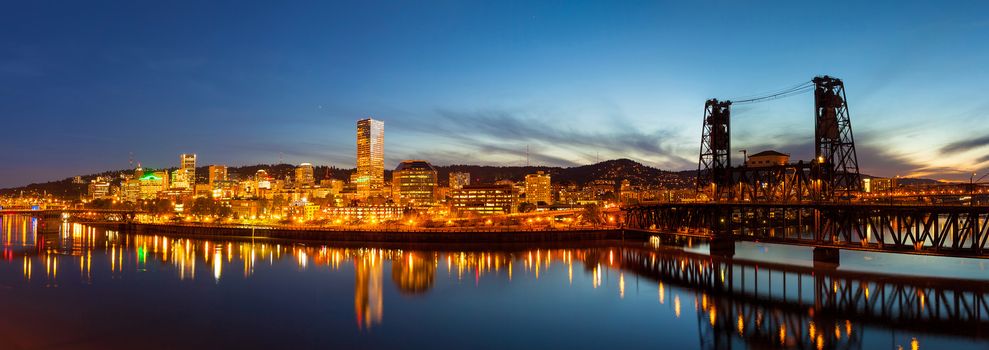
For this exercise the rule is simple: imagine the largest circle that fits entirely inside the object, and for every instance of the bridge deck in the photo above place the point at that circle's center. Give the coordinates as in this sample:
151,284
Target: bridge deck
944,230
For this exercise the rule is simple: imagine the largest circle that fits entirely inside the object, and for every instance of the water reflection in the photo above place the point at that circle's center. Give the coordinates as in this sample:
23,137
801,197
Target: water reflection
735,303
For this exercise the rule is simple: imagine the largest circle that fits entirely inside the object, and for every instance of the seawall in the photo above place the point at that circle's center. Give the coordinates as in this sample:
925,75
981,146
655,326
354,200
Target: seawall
377,235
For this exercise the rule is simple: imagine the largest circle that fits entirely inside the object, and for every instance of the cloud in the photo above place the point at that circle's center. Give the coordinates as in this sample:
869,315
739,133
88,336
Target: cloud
874,158
554,140
966,145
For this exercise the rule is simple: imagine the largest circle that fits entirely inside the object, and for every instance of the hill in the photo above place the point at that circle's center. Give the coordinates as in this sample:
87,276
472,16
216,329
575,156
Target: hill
613,170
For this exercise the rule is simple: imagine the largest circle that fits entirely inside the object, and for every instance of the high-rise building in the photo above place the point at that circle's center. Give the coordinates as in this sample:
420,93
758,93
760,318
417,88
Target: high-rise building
537,188
304,175
185,176
459,179
217,173
414,183
188,161
370,157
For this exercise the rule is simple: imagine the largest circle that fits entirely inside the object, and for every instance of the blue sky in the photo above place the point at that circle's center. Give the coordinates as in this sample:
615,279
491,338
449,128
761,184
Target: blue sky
85,84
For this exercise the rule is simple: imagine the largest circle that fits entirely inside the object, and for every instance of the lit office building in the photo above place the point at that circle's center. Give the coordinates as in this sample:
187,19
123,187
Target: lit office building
188,162
485,199
304,175
369,213
180,180
538,189
99,188
131,189
370,157
263,180
184,178
414,183
459,179
217,173
153,182
878,184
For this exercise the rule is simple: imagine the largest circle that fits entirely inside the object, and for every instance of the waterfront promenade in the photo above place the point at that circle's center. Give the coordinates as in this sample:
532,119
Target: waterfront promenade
379,234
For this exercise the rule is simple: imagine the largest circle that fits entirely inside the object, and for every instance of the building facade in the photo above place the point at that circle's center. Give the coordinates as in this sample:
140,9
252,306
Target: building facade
370,177
767,159
188,165
414,183
459,179
304,175
484,199
153,182
538,188
368,213
217,173
879,184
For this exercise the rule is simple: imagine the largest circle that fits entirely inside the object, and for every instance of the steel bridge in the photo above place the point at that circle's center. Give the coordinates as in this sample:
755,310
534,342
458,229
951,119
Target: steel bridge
832,174
958,231
770,305
815,203
51,219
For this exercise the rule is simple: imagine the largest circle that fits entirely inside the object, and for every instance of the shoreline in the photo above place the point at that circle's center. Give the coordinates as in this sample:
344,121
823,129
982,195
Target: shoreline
425,236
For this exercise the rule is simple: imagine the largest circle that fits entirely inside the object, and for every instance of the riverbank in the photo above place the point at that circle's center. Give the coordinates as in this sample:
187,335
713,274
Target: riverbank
446,235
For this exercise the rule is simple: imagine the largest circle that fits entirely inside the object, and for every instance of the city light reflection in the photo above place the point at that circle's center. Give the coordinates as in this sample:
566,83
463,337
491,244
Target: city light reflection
101,255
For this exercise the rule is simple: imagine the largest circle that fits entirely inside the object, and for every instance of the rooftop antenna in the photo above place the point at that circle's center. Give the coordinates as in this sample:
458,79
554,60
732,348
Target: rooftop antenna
130,160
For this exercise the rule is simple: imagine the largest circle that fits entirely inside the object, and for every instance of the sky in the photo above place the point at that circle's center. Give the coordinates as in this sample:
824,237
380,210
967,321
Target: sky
89,86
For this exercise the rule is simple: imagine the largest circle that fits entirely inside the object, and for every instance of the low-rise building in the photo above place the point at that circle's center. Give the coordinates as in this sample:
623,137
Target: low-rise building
878,184
459,179
99,188
484,199
367,213
767,159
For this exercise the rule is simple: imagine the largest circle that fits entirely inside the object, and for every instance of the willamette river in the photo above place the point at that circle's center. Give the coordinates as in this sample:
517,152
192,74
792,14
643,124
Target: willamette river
84,288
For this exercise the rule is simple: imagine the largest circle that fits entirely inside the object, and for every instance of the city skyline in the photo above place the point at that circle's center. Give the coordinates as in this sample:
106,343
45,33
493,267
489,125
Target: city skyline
572,84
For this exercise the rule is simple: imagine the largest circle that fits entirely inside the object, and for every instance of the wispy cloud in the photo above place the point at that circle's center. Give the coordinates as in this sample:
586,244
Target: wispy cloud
966,145
555,141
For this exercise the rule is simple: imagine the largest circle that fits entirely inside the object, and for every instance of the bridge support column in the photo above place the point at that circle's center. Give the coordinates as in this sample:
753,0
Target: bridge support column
722,246
826,257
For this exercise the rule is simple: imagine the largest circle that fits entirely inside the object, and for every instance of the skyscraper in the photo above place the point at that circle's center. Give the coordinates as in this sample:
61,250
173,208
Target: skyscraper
188,166
185,176
370,157
304,175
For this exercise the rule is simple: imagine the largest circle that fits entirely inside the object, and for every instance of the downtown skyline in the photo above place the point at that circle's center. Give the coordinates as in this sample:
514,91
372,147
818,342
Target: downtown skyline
576,83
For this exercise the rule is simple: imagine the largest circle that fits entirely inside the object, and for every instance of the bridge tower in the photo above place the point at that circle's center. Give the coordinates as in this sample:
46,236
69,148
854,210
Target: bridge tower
836,162
714,165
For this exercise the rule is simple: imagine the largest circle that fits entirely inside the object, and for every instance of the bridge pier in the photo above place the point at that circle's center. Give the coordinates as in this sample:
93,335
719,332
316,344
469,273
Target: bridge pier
826,257
722,246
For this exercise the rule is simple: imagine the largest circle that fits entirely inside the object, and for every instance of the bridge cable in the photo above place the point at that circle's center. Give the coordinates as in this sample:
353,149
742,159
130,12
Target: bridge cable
801,88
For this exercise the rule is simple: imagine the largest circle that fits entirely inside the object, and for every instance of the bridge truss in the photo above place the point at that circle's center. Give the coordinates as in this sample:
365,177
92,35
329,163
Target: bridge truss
832,175
960,231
